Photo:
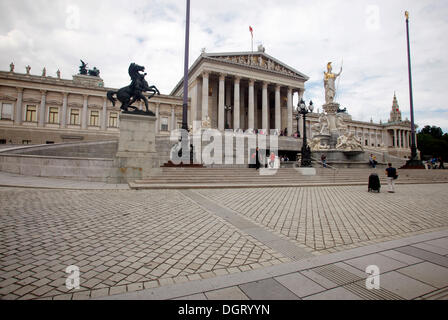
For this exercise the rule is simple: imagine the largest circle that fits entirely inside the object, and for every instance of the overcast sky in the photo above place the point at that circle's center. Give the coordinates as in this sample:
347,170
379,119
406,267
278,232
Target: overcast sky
368,37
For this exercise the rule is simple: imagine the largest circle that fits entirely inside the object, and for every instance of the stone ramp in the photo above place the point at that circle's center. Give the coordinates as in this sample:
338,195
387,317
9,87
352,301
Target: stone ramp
190,178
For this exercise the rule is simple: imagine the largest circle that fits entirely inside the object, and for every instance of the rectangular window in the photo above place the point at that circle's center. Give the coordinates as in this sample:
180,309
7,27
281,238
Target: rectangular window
53,116
6,112
94,118
179,125
164,124
26,141
74,116
31,114
113,120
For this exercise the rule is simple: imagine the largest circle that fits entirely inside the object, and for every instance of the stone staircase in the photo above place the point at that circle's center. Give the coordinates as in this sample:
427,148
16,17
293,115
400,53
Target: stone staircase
188,178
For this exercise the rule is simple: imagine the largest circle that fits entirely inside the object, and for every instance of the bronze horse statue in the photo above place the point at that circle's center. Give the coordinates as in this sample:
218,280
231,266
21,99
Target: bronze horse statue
134,92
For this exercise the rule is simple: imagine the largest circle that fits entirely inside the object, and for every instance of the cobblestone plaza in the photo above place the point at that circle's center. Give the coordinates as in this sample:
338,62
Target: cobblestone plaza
126,241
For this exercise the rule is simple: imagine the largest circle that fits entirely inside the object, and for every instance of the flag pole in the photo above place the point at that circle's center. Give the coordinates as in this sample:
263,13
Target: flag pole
185,93
413,162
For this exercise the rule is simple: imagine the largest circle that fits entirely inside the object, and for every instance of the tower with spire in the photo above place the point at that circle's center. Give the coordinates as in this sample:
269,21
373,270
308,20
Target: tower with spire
395,114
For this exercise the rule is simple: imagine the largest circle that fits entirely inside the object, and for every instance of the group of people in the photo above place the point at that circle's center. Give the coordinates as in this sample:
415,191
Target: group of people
435,163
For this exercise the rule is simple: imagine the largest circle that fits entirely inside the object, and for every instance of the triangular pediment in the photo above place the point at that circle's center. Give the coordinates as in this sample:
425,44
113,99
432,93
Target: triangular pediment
7,98
258,60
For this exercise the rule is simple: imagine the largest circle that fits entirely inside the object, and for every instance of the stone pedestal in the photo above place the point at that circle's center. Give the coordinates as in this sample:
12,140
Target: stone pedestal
136,157
331,110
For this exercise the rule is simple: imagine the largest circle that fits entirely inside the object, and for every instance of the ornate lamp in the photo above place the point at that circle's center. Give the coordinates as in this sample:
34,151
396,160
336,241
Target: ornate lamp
306,152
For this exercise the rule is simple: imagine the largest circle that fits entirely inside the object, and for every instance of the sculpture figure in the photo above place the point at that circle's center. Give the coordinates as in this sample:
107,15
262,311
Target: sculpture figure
11,67
329,83
58,74
28,68
83,68
134,92
44,72
94,72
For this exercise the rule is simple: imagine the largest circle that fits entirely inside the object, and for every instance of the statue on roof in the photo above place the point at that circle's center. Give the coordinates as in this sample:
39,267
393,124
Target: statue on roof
83,68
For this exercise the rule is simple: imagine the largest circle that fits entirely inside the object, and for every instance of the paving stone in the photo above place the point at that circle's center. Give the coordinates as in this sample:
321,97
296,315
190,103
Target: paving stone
431,248
117,290
429,273
334,294
300,285
403,285
320,280
268,289
231,293
424,255
197,296
384,263
404,258
98,293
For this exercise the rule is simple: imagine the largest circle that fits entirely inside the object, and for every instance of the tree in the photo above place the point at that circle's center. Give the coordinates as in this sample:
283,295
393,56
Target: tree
432,142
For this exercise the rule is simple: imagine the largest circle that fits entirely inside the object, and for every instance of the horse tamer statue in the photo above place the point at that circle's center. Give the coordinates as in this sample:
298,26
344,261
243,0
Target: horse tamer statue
134,92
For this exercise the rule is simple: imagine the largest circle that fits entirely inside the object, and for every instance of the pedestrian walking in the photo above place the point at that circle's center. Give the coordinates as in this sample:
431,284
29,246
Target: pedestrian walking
392,175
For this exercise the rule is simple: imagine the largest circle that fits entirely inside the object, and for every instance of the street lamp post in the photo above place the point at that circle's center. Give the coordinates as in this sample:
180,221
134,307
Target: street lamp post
306,152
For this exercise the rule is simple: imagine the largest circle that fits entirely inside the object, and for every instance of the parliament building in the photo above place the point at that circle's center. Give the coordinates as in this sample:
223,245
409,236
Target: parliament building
238,90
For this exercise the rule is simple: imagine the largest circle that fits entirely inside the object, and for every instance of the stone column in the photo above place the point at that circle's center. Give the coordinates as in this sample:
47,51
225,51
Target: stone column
399,138
173,118
228,103
278,117
251,111
157,123
18,118
204,95
84,113
376,138
42,111
104,115
243,108
289,107
236,104
264,106
221,102
194,105
408,138
395,138
64,110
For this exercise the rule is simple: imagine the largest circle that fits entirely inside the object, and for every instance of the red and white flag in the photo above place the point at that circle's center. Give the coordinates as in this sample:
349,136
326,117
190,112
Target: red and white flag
251,31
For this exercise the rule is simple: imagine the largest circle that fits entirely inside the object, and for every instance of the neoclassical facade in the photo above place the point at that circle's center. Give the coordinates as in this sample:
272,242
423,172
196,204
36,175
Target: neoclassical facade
39,109
242,90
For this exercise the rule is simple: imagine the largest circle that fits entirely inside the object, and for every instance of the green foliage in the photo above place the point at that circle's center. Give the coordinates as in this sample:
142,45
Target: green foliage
432,142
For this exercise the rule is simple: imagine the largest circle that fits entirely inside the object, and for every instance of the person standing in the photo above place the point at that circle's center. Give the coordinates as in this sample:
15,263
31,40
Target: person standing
323,158
391,174
257,159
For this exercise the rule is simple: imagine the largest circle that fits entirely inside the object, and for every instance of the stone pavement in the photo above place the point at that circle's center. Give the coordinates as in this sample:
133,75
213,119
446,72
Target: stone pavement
17,180
129,241
406,272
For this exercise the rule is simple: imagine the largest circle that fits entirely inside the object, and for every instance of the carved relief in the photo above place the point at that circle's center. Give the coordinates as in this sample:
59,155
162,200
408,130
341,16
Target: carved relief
259,61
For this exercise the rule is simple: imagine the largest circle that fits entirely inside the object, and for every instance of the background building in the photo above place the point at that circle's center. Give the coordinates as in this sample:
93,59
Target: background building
245,90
